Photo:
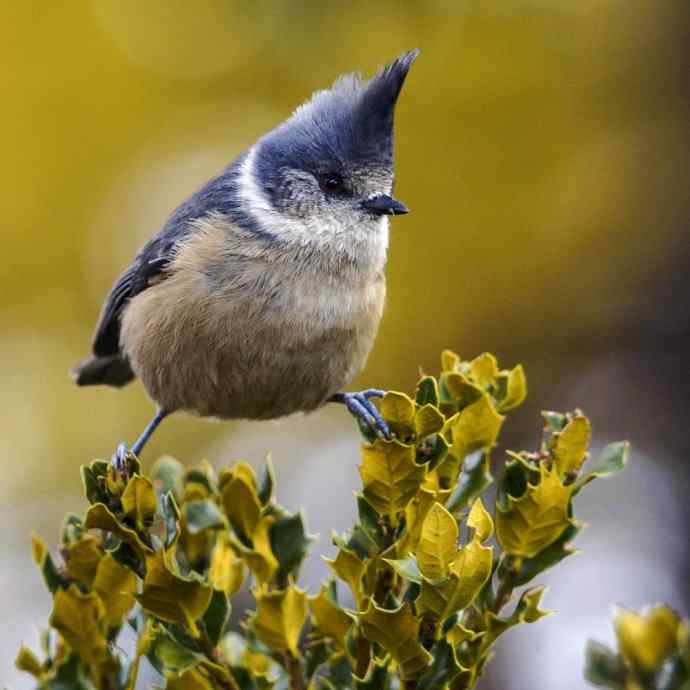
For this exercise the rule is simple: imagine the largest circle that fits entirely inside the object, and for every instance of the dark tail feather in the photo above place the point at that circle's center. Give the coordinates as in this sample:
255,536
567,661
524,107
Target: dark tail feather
109,371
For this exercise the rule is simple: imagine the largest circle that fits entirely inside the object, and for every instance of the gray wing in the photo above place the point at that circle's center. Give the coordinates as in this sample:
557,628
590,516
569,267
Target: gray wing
150,264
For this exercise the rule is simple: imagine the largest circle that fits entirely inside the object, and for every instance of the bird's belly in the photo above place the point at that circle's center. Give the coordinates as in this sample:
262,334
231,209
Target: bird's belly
256,359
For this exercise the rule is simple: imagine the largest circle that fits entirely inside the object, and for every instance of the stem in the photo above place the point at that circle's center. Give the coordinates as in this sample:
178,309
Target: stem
292,666
210,651
506,572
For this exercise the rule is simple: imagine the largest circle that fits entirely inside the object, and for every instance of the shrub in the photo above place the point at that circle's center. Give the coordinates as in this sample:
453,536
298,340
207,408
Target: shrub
420,584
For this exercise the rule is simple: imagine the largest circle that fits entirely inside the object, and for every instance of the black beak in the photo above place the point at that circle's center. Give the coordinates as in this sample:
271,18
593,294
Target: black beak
383,205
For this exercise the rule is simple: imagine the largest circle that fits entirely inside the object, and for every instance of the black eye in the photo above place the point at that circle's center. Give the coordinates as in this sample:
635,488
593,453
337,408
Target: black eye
331,183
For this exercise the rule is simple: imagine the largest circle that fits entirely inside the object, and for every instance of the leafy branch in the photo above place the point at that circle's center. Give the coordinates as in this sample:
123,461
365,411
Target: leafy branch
419,585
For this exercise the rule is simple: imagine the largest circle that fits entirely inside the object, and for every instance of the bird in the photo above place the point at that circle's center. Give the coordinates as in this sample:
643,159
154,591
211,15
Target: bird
262,293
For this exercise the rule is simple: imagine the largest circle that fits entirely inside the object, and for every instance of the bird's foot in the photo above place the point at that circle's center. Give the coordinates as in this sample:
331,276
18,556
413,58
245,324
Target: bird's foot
120,462
361,407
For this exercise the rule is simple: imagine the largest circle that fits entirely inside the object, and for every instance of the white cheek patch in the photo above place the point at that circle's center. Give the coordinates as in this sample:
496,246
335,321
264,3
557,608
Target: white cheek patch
365,240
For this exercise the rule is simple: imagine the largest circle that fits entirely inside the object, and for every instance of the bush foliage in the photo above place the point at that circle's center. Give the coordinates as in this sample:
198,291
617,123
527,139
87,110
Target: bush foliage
653,652
423,584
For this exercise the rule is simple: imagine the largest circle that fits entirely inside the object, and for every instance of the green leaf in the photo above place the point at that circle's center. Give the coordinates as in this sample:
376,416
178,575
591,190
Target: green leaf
484,370
647,639
216,616
171,597
171,518
427,421
201,515
548,557
349,568
266,482
570,445
399,411
289,543
397,632
70,675
603,667
45,563
480,521
535,520
516,389
476,427
80,618
329,618
227,570
468,574
427,392
407,568
474,478
526,611
139,502
93,478
611,460
28,662
279,618
444,669
82,558
115,585
390,475
98,516
241,504
437,544
168,475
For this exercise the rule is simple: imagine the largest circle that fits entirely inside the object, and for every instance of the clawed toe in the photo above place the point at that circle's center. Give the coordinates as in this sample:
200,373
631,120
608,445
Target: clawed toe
119,459
360,405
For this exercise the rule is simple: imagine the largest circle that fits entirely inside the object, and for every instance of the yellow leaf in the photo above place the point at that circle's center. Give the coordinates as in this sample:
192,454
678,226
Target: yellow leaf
570,448
647,639
38,550
516,388
139,501
260,665
449,361
115,585
415,513
329,618
427,421
468,573
461,389
390,475
437,543
227,570
349,568
245,472
241,503
189,680
459,634
98,516
480,521
536,519
196,545
172,598
397,631
399,411
260,558
82,558
80,618
484,370
28,662
280,617
476,427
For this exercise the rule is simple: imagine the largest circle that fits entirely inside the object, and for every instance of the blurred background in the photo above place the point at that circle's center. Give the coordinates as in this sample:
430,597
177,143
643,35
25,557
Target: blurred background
543,148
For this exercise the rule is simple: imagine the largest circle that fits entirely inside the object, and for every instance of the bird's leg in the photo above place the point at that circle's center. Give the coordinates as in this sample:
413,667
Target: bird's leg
119,457
360,406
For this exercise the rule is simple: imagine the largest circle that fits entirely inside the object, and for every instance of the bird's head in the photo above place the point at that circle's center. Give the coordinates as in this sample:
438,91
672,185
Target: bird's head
327,171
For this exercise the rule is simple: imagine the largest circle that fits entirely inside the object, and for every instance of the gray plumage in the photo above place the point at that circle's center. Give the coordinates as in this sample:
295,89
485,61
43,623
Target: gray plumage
262,293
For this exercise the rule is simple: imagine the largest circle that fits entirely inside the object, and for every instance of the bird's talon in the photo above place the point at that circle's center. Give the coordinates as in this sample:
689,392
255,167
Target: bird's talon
360,406
119,459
